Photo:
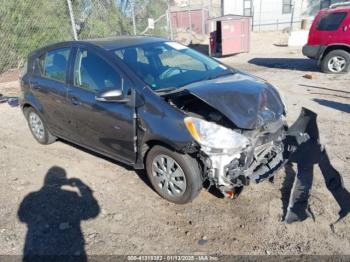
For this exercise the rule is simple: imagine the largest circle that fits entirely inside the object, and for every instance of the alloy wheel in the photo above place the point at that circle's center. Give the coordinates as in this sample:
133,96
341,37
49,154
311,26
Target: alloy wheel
336,64
36,125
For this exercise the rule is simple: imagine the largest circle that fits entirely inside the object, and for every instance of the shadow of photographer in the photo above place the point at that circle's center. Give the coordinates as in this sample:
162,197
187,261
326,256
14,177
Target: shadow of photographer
53,216
306,156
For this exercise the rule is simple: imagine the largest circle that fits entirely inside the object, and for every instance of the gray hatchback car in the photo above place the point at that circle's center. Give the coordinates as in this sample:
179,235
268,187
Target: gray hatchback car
157,105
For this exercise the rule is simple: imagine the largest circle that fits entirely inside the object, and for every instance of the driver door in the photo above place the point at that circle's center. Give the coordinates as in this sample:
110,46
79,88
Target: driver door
106,127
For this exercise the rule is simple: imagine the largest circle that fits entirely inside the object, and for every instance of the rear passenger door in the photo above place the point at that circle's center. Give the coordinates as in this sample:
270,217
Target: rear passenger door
104,126
48,86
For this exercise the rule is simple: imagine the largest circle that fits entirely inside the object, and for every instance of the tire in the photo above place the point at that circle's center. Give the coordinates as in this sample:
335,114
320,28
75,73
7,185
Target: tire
181,182
341,56
43,136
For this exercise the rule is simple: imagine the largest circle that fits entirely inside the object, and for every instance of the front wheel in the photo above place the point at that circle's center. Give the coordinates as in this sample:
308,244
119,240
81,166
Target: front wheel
336,62
176,177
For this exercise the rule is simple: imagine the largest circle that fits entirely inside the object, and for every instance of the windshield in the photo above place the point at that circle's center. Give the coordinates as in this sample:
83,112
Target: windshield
169,65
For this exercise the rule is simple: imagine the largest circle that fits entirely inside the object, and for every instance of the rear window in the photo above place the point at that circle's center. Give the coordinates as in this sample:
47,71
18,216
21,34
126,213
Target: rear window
331,21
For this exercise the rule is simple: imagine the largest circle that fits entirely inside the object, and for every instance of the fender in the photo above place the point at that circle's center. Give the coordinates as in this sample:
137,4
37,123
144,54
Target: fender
30,100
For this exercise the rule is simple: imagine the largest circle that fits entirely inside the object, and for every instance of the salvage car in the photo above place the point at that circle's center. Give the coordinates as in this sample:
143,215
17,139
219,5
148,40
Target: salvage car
157,105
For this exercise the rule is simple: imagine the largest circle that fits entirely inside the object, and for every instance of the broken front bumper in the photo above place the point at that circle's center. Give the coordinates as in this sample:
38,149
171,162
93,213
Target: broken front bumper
261,161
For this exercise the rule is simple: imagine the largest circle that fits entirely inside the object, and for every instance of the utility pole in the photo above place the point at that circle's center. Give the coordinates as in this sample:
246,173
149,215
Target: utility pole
72,19
133,15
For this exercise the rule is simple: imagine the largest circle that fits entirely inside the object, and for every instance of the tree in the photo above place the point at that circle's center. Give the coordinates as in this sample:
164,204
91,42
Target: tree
100,18
26,25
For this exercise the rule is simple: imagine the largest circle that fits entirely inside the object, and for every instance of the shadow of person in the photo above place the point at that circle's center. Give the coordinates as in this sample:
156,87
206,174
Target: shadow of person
53,217
308,154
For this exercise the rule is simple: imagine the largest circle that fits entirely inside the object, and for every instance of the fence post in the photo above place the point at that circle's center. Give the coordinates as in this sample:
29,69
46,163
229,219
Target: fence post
72,19
190,18
133,16
292,18
170,22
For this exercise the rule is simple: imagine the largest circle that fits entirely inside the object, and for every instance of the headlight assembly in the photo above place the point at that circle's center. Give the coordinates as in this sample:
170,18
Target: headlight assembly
215,138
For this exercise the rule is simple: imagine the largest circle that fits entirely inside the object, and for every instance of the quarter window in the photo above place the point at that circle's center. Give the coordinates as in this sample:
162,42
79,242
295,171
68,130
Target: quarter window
331,21
53,65
93,73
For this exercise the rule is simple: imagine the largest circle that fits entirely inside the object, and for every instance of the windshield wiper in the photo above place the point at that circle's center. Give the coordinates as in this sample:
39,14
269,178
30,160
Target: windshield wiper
165,90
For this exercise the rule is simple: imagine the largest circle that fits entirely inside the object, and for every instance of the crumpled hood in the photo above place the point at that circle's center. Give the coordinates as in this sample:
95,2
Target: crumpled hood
248,102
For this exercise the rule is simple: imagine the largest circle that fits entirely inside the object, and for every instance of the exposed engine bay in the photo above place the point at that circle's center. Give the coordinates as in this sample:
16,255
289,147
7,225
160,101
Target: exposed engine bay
230,170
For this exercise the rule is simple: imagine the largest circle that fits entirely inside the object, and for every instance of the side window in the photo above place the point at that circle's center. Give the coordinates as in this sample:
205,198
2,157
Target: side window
331,22
53,64
93,73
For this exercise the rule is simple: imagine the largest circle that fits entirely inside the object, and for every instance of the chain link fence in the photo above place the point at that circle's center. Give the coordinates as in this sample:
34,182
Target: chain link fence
29,24
26,25
189,20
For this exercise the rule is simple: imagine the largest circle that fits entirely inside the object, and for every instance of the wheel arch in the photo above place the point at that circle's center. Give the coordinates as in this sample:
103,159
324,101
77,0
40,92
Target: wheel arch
146,147
335,47
25,108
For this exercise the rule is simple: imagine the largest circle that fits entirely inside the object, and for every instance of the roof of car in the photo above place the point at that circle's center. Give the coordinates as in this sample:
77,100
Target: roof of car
112,43
337,9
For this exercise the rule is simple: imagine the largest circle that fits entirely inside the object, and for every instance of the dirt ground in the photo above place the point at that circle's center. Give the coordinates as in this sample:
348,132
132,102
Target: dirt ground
125,216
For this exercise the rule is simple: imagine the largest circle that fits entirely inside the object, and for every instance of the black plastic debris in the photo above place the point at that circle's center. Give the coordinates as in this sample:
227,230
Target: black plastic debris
11,100
307,152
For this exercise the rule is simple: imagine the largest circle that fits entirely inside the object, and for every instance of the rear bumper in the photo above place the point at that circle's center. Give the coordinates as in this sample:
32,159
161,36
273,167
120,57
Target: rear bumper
313,51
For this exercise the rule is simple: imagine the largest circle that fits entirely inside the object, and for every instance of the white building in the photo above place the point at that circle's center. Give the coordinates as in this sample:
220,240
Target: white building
275,14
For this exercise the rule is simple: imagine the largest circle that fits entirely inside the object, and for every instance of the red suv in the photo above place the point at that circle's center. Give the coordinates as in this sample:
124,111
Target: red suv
329,39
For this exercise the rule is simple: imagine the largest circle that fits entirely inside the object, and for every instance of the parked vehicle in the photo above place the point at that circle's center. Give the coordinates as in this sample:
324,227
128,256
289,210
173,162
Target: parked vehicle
155,104
329,39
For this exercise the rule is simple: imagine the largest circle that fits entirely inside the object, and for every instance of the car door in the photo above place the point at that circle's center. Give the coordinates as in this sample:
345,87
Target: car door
106,127
49,87
344,34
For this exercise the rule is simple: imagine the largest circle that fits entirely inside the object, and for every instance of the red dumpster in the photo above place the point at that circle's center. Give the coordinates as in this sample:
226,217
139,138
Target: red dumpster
229,34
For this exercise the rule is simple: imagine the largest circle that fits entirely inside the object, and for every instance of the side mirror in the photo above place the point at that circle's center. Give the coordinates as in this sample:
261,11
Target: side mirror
115,95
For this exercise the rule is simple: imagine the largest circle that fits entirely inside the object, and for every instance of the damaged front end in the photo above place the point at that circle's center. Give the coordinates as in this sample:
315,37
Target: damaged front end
236,147
259,160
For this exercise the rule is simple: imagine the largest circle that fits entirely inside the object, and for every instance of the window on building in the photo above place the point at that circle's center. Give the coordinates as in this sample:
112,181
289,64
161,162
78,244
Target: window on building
331,22
325,4
286,6
247,8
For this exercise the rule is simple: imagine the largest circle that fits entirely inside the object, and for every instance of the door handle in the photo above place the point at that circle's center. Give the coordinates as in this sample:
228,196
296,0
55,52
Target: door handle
75,101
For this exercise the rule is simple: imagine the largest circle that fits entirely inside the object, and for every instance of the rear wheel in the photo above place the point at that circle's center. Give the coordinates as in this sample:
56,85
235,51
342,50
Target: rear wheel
37,127
336,62
176,177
